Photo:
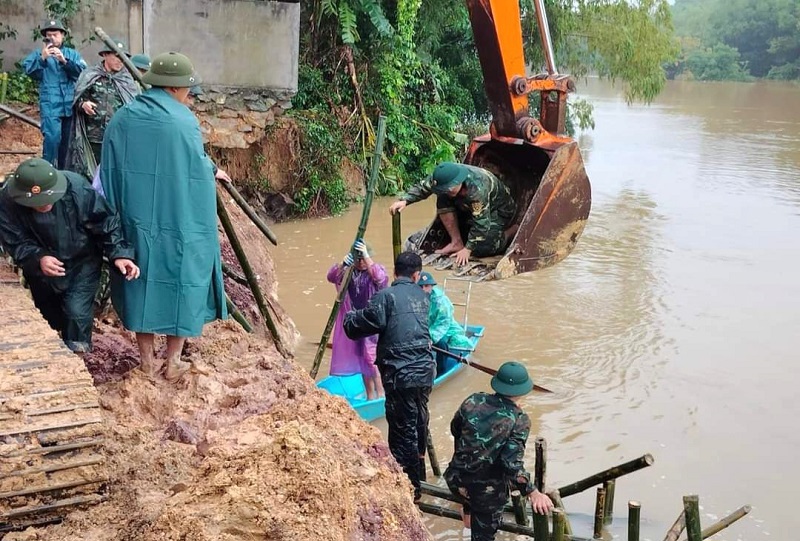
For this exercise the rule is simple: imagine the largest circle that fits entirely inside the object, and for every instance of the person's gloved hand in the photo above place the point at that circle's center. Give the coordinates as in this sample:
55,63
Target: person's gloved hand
348,260
361,248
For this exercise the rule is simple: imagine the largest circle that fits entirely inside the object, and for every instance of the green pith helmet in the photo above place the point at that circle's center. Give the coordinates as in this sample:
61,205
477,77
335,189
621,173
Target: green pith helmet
512,379
141,61
52,24
171,70
195,91
36,183
448,174
426,279
106,49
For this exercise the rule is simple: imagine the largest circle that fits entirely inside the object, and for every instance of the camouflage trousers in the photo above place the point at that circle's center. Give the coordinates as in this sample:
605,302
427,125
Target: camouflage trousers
492,243
483,500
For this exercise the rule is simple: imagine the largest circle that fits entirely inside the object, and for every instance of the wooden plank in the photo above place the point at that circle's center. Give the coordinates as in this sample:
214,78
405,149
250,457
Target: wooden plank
54,468
50,488
55,448
60,504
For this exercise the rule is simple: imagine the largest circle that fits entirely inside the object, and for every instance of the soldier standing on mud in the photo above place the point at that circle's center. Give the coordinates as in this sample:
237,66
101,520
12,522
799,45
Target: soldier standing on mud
490,432
479,194
100,91
399,316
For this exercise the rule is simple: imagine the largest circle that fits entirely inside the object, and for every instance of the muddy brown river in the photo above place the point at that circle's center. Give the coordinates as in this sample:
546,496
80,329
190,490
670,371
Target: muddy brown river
671,329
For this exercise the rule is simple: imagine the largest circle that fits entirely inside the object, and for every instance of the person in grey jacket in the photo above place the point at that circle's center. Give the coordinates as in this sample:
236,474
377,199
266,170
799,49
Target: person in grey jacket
399,316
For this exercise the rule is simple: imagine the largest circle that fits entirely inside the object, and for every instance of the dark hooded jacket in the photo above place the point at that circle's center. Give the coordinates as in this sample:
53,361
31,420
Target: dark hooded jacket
399,315
80,227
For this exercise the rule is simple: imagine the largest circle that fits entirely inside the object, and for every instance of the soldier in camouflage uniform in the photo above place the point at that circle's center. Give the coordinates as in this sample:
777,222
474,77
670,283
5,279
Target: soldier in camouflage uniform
490,432
475,192
100,91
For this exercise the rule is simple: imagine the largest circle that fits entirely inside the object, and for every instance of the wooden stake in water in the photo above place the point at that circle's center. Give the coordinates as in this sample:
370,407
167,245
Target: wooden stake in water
555,497
559,525
518,503
435,468
541,527
599,510
362,228
608,512
677,528
726,521
606,475
540,467
634,518
691,508
397,238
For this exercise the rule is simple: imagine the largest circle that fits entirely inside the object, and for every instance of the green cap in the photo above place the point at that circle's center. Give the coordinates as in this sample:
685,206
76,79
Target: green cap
106,49
426,279
512,380
52,24
141,61
36,183
447,175
171,70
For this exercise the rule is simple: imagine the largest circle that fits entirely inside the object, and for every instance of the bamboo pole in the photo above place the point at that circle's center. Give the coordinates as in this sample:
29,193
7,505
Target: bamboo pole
599,510
3,86
608,512
20,116
541,527
634,518
237,315
252,281
691,508
518,503
559,525
397,239
362,227
540,466
435,468
134,71
726,521
233,275
606,475
677,528
555,497
248,210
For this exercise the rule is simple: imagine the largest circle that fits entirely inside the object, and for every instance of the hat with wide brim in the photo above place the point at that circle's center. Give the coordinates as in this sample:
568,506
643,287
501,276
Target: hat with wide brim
447,175
196,90
108,50
171,70
141,61
52,24
36,183
512,379
426,279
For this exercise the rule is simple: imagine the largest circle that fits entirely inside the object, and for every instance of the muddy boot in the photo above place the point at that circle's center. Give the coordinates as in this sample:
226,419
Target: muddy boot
176,368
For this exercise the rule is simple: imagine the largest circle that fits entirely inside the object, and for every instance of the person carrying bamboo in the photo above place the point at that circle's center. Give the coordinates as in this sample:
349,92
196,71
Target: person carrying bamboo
490,432
357,356
399,316
478,197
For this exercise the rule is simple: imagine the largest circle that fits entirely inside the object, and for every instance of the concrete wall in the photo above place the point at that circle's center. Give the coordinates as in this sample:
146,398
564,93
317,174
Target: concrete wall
249,43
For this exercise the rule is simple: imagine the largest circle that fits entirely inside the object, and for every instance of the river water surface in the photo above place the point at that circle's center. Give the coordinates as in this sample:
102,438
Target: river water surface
671,329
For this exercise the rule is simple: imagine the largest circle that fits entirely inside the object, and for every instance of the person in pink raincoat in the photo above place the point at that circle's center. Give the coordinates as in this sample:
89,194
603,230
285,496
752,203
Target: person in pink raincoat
357,356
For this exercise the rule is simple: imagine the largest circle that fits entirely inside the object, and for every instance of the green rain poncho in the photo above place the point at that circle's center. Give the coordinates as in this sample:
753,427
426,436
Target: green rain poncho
441,324
155,173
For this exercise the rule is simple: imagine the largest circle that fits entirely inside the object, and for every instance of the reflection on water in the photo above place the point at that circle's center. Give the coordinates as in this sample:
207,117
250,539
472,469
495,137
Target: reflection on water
671,328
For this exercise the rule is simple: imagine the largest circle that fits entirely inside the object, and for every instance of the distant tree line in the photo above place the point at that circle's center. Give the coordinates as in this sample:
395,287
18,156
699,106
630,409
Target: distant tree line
737,39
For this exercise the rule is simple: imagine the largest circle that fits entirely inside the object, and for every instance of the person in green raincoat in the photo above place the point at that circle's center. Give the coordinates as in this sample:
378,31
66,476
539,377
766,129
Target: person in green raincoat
155,173
57,229
446,332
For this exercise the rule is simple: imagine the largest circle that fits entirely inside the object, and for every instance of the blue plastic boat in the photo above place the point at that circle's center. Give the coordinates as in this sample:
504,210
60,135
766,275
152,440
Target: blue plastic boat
352,387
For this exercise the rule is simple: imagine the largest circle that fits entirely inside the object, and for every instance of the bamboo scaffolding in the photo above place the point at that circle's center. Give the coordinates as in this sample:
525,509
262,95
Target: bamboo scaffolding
726,521
675,531
541,527
559,525
608,512
634,518
599,512
362,227
691,509
555,497
518,504
606,475
252,281
248,210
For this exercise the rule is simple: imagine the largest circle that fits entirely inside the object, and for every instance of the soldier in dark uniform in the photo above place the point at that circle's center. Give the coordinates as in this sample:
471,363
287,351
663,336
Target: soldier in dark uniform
490,432
56,228
474,191
100,91
399,316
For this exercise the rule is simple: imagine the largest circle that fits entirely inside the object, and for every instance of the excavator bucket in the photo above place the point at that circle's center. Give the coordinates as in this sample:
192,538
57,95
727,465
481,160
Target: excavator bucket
553,199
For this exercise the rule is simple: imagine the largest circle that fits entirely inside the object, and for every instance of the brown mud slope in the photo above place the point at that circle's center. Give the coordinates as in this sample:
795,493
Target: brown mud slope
16,135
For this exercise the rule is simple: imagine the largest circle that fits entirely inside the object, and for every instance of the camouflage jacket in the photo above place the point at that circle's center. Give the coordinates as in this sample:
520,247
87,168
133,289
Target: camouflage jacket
104,93
399,316
490,433
483,196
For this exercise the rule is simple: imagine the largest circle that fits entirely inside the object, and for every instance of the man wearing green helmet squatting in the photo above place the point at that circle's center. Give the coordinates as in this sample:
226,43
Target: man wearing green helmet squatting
155,173
490,432
57,229
477,194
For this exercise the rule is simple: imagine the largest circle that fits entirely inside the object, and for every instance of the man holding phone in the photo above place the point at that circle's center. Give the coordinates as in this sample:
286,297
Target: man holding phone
56,68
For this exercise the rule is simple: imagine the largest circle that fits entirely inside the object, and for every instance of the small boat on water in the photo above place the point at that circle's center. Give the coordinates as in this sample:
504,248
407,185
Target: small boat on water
352,387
